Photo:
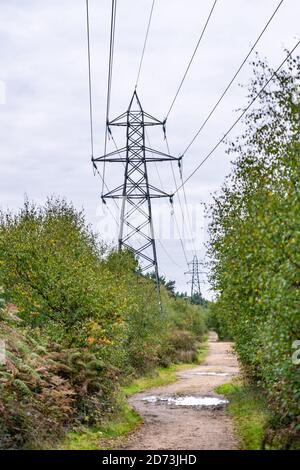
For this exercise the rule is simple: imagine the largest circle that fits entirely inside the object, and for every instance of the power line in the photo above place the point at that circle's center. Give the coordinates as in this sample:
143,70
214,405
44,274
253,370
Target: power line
183,218
90,99
90,78
162,186
168,254
176,221
145,43
111,213
189,217
107,188
180,202
175,218
191,59
109,78
181,241
155,163
238,119
105,185
234,77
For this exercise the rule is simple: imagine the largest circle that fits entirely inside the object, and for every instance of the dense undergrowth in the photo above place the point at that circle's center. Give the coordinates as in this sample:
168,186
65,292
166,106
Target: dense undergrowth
78,322
255,238
110,432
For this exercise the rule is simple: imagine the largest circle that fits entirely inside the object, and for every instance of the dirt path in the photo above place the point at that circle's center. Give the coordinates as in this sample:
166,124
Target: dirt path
169,426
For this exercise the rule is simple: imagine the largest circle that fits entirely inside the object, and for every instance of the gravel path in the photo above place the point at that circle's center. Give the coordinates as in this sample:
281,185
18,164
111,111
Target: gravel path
170,426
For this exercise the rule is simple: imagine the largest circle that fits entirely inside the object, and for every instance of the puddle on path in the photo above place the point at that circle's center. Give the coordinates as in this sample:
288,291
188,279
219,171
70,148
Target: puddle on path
201,402
217,374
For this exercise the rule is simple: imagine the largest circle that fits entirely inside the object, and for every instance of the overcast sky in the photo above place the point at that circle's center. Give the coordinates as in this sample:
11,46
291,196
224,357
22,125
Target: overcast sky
44,119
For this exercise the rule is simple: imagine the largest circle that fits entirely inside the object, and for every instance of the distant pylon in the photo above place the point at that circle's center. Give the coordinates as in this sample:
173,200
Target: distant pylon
136,224
194,272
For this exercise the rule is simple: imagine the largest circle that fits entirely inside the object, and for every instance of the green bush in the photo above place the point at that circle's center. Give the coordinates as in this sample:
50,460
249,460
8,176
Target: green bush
185,327
80,320
218,322
53,268
186,316
181,346
255,238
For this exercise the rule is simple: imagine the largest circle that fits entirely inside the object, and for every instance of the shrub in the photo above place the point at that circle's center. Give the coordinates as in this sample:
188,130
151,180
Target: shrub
255,238
86,320
182,346
44,390
218,322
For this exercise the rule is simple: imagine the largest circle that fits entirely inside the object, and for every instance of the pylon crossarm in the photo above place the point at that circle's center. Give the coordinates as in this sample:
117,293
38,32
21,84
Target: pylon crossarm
162,156
136,197
115,121
159,192
112,194
153,121
109,156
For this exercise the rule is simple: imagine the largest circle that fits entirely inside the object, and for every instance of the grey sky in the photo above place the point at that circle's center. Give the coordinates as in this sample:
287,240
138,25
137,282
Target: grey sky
44,123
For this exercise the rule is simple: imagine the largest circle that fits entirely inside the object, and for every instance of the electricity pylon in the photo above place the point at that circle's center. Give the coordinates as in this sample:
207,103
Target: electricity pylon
136,224
195,274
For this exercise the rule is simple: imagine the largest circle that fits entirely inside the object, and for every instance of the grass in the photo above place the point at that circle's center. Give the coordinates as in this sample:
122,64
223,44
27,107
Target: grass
110,432
104,436
249,411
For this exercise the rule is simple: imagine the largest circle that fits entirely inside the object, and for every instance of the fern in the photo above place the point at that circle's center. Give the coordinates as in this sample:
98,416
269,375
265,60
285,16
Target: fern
5,376
96,364
22,387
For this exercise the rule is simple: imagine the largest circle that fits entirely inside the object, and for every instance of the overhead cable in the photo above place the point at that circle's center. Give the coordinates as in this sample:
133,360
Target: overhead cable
238,119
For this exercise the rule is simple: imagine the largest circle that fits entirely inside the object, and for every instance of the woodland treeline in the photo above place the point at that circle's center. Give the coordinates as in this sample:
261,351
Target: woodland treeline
78,320
254,247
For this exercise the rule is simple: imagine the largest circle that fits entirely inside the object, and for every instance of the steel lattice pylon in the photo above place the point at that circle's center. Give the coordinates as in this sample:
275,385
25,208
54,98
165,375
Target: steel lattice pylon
195,273
136,191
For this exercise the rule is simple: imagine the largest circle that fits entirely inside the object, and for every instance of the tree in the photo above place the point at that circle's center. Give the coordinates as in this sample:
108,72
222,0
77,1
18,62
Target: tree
169,285
198,299
255,236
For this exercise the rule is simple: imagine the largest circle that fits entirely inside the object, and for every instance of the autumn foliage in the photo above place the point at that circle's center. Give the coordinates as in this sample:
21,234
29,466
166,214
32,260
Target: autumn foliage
85,321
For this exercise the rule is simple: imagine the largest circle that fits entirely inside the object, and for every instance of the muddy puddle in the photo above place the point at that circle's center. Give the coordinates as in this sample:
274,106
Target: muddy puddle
213,374
188,401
